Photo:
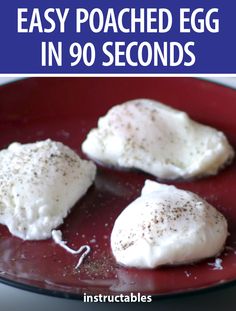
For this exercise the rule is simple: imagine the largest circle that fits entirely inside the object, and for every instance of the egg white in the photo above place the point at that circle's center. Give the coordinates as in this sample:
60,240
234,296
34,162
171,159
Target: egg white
167,226
39,184
157,139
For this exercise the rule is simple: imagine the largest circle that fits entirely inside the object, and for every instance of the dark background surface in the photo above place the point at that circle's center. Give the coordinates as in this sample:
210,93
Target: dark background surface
12,299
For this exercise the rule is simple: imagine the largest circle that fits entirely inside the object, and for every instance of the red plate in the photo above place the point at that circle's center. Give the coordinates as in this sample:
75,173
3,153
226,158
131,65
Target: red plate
65,109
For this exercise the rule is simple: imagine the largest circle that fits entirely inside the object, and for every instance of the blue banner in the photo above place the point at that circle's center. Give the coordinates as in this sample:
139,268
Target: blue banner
120,36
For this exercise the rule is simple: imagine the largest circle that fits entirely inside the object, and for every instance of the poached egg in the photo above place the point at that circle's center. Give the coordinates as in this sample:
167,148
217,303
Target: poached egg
167,226
39,184
157,139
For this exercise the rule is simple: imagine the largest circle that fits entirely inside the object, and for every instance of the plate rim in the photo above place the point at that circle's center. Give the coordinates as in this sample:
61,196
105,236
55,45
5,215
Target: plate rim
79,297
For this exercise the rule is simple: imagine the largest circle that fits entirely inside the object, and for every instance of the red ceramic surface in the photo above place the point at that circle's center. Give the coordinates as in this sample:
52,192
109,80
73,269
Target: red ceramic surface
65,110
